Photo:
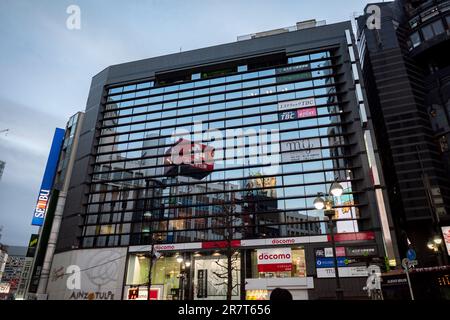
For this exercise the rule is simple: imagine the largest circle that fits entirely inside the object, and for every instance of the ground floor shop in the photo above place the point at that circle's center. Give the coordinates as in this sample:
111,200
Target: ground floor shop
200,271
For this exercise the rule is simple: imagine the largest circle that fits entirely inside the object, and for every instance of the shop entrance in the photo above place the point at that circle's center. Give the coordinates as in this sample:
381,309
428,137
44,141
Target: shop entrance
169,277
210,275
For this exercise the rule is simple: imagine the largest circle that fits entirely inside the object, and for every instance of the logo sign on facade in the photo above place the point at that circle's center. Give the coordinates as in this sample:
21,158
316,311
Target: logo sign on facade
329,262
141,293
344,272
32,244
368,251
296,68
446,235
296,104
301,150
273,260
297,109
49,176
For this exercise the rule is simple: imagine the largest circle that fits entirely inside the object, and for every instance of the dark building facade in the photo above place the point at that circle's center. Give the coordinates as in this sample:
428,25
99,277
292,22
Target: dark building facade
407,76
280,119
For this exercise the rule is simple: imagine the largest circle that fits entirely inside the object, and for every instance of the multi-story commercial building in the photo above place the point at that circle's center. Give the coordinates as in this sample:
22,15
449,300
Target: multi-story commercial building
55,184
407,77
3,260
183,156
13,270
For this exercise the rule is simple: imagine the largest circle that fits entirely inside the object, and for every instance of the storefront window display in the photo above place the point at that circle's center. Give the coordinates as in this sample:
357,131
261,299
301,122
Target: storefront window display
210,276
166,274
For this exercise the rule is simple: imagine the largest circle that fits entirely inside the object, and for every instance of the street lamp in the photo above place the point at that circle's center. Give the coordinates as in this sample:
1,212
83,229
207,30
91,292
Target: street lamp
327,203
435,244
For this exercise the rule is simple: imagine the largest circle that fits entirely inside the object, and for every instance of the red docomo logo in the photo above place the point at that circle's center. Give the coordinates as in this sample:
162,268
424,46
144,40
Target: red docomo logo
279,256
283,241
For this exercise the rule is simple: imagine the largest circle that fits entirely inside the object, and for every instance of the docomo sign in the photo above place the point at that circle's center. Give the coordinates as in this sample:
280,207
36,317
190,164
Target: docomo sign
273,260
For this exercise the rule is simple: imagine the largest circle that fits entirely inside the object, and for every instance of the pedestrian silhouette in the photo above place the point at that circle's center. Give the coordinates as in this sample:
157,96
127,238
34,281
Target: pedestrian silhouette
280,294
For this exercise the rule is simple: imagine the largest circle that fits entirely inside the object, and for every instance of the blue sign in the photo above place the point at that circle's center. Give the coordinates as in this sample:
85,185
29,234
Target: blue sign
411,254
49,177
329,262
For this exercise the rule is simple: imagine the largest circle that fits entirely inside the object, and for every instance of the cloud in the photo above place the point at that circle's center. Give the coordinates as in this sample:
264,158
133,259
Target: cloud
25,150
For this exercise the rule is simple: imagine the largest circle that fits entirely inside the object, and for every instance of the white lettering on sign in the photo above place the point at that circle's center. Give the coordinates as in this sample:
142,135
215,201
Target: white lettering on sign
41,205
283,241
274,260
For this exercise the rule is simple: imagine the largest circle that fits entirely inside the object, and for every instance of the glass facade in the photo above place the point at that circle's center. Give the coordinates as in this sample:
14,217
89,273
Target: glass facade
138,196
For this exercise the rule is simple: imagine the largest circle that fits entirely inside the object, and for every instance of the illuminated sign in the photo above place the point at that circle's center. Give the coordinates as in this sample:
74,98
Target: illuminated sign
274,260
444,281
47,180
297,109
260,294
446,234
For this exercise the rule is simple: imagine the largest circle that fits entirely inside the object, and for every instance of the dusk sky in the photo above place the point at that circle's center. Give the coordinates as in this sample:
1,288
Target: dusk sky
46,69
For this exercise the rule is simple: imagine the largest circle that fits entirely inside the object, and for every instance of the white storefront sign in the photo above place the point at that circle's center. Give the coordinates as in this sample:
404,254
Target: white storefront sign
296,104
301,150
274,259
100,273
344,272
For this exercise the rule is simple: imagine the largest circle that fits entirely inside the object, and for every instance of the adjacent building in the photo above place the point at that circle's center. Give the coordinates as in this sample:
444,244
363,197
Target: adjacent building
406,70
16,256
2,168
55,184
181,157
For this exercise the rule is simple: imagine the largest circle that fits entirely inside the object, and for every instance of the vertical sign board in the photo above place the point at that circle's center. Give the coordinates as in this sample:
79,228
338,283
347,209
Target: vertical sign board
32,245
446,234
47,180
202,283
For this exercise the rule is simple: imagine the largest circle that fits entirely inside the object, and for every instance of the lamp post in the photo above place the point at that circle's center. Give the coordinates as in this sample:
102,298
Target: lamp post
327,203
149,209
435,245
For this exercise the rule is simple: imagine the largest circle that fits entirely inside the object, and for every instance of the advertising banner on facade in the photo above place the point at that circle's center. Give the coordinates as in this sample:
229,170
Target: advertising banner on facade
47,180
301,150
274,260
189,159
32,245
446,235
91,274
